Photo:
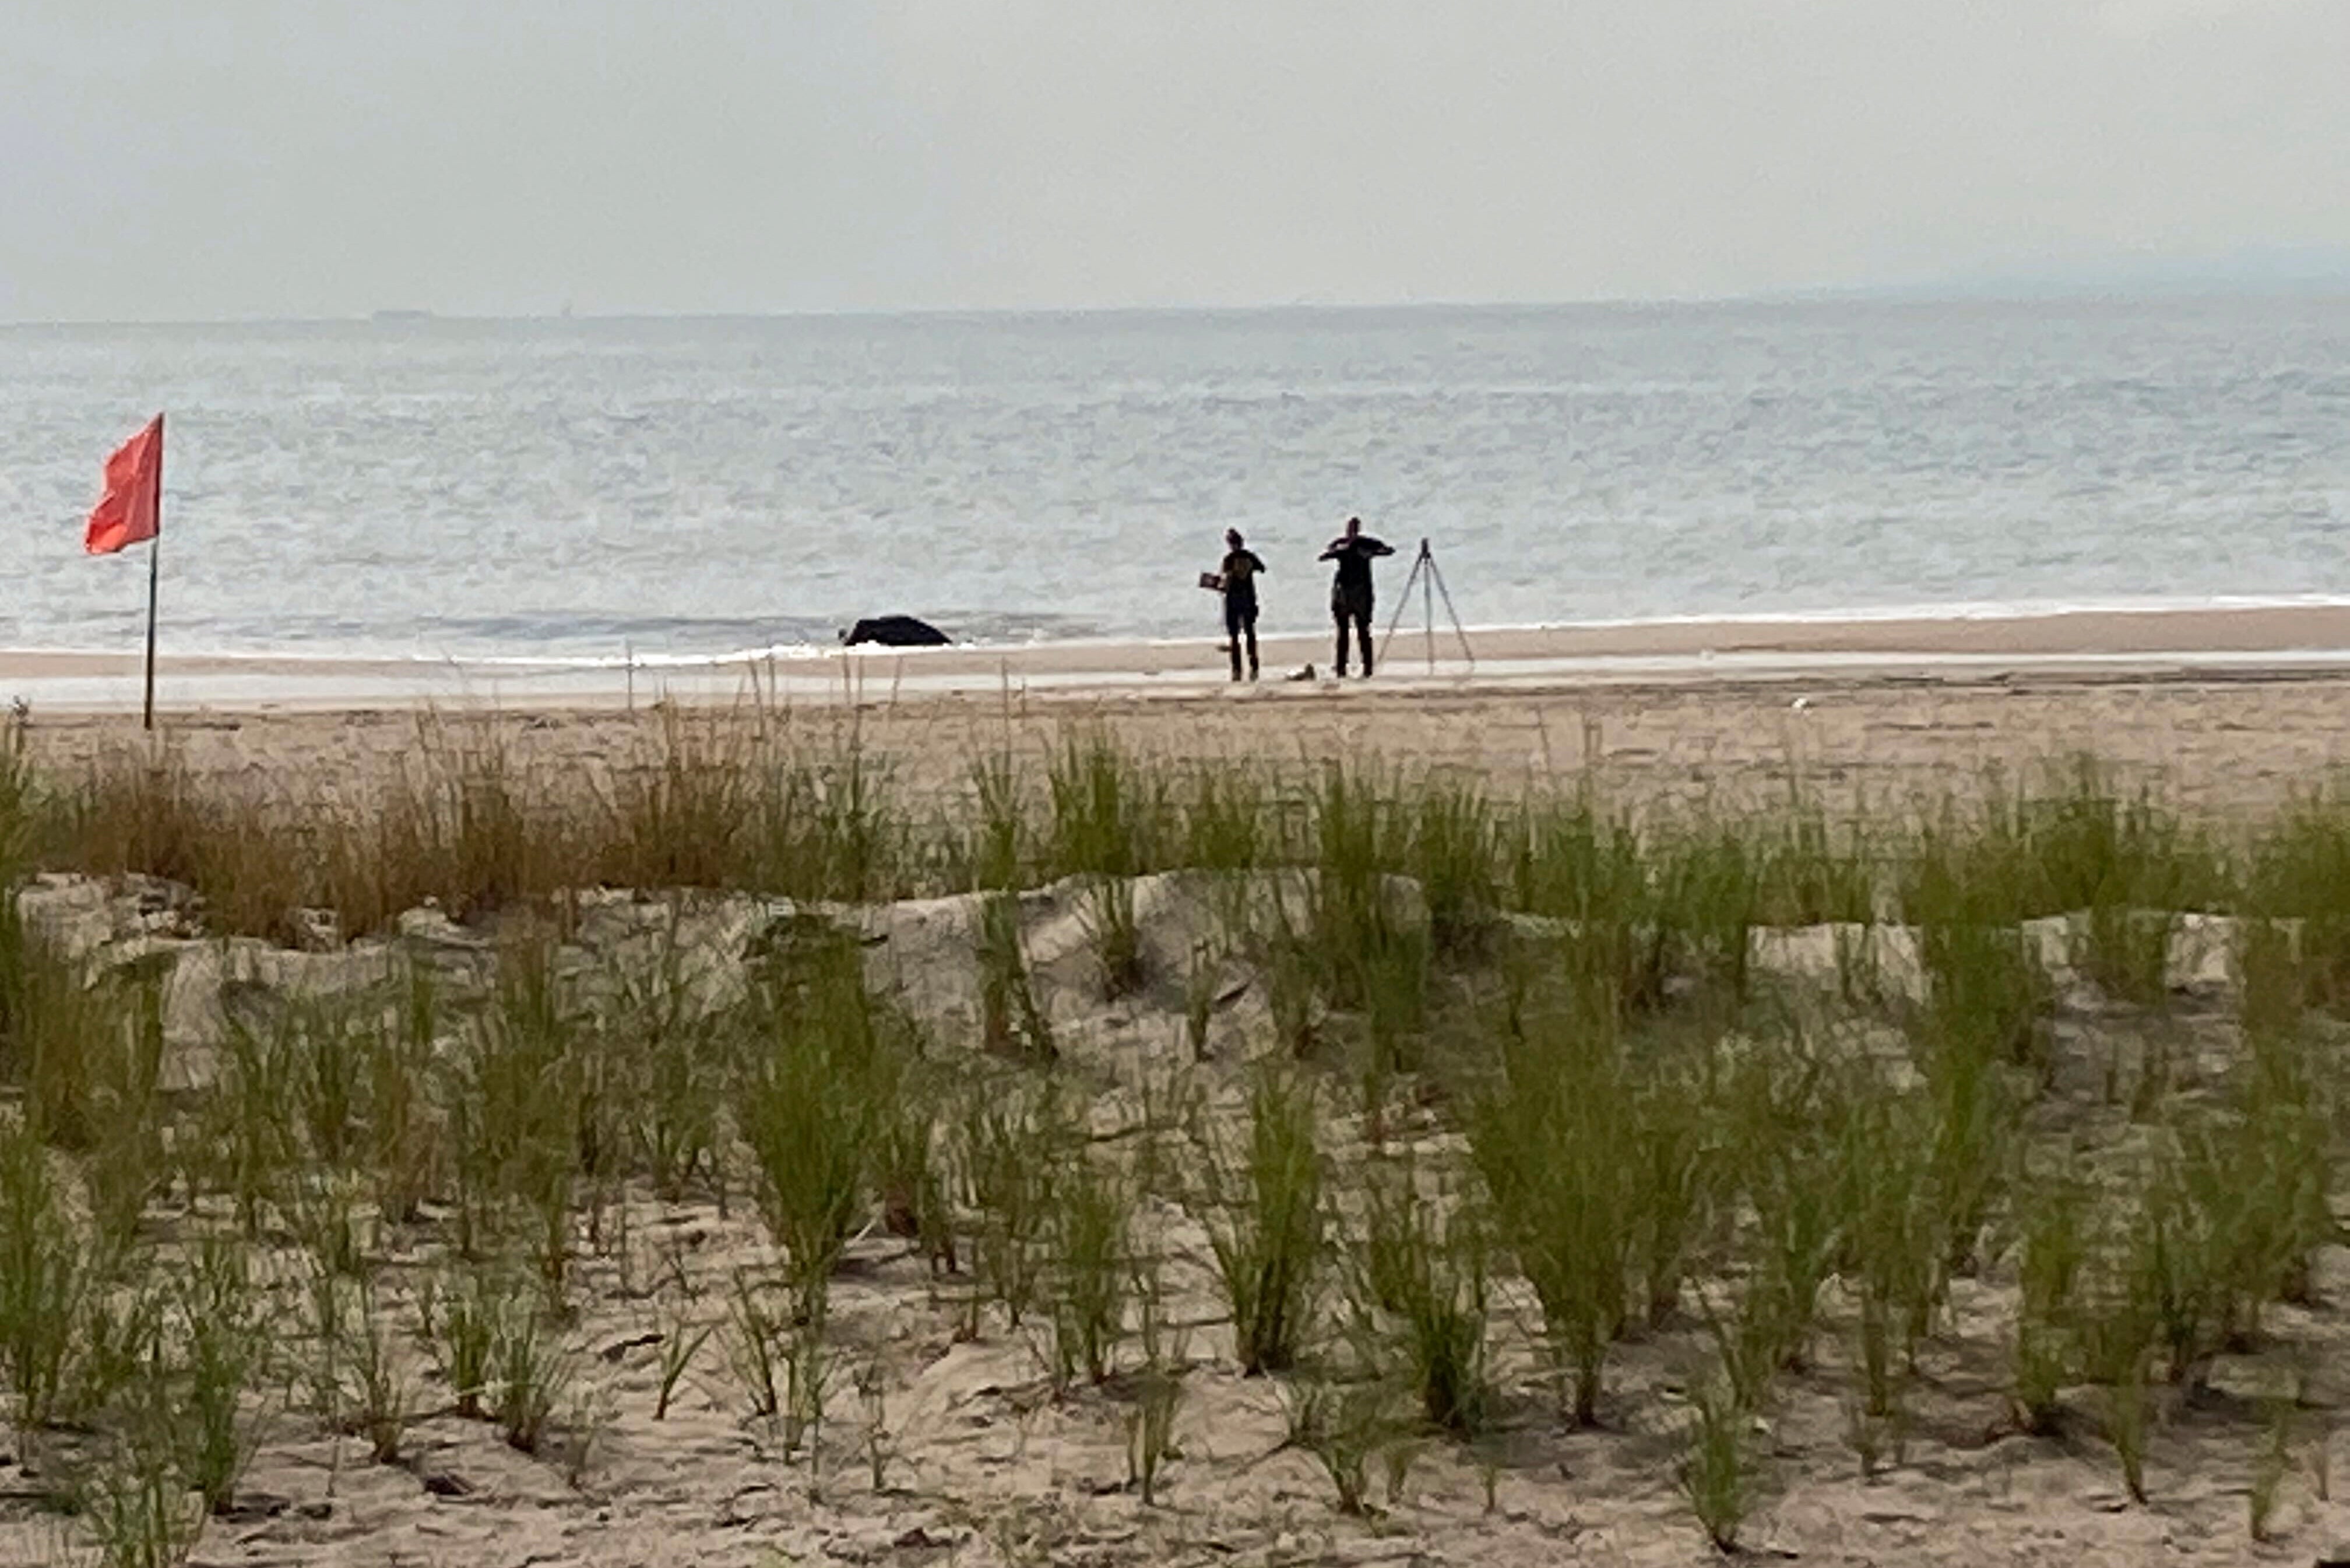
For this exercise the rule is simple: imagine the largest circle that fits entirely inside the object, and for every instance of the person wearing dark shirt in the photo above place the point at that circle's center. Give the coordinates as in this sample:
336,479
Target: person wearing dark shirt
1350,590
1239,573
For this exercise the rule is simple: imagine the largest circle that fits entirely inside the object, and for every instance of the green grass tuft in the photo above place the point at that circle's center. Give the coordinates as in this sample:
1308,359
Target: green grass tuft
1266,1222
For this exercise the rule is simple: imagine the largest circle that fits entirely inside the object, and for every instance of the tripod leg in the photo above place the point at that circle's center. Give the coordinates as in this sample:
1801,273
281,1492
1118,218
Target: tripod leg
1428,607
1455,616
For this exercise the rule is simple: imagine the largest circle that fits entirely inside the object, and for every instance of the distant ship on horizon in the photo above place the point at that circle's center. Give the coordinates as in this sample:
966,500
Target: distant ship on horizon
391,317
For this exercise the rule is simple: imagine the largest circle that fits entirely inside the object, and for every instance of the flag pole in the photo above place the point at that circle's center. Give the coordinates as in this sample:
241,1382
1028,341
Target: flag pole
154,570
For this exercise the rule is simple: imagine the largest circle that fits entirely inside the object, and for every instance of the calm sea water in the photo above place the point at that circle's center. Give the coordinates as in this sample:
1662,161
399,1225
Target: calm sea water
704,486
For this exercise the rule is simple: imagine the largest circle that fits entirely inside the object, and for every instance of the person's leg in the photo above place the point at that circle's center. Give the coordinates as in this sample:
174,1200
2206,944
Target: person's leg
1339,614
1250,628
1363,632
1232,624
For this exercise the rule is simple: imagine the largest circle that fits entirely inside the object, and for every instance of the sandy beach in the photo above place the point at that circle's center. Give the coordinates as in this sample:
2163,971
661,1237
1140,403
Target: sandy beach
974,1456
2227,709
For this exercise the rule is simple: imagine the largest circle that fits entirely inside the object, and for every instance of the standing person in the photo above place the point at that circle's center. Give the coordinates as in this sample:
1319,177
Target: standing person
1350,590
1239,573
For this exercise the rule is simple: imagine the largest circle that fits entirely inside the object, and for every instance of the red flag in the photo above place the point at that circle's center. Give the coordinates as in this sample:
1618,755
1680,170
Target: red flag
132,510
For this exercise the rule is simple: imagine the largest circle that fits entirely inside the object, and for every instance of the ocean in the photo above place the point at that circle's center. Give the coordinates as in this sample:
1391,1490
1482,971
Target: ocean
695,488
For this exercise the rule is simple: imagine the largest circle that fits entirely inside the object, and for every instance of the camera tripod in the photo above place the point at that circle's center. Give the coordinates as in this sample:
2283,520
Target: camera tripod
1431,581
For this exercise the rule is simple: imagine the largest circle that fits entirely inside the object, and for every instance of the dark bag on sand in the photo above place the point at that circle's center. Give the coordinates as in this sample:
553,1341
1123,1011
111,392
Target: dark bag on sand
896,631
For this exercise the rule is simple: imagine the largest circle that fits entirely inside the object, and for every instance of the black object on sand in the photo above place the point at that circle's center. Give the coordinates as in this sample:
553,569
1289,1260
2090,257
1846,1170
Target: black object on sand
896,631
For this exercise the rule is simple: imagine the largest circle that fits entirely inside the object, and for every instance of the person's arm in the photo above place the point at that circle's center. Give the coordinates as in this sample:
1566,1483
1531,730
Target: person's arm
1330,552
1379,548
1255,565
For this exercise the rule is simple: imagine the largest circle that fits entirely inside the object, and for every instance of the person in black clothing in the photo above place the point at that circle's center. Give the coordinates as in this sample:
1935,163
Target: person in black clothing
1239,573
1350,590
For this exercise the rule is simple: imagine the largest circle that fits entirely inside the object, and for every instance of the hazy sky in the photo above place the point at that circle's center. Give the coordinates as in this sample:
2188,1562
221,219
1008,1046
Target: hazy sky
239,158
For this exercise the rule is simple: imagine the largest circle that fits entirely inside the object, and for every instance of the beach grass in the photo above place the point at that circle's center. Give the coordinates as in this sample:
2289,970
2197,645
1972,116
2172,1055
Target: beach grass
1267,1222
1418,1295
1554,1141
1583,1087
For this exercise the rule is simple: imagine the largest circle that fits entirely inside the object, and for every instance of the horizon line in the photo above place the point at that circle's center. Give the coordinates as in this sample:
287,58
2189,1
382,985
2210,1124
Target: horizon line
2010,289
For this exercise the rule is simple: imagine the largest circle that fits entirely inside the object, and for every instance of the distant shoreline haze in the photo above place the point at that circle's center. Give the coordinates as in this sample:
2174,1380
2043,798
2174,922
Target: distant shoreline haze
2153,280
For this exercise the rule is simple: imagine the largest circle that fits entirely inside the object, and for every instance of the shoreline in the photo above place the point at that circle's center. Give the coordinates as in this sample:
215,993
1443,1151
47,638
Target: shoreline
2278,637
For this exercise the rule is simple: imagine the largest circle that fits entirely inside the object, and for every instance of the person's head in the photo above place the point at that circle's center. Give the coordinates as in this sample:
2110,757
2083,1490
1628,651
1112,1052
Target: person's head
1354,526
1233,538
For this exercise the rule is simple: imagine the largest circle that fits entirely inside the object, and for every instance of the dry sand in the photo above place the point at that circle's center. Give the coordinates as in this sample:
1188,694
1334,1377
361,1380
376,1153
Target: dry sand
2225,708
2224,741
